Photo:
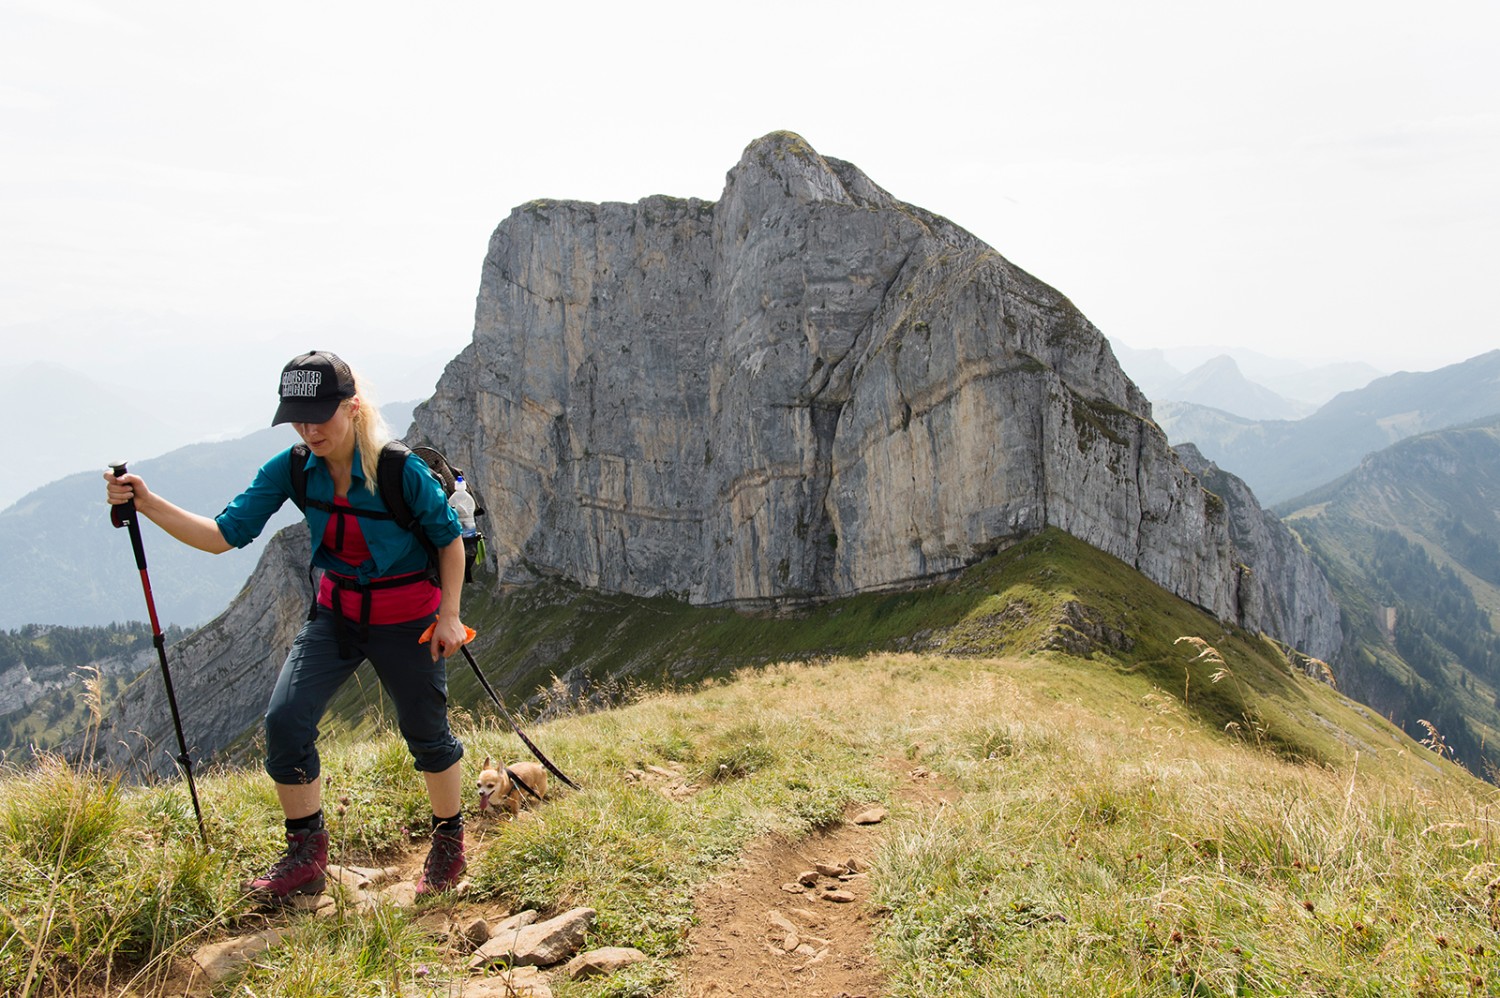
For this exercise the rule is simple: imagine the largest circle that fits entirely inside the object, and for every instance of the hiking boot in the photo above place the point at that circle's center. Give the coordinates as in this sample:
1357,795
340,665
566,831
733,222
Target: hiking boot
299,871
445,863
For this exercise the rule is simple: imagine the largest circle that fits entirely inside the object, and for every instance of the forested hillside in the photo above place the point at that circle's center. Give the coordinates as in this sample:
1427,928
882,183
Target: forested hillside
43,671
1411,543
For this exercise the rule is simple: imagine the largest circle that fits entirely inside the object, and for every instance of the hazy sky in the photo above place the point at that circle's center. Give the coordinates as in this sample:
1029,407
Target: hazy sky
191,192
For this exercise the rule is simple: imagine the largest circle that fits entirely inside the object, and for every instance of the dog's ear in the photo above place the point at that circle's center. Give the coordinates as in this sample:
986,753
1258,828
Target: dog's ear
487,763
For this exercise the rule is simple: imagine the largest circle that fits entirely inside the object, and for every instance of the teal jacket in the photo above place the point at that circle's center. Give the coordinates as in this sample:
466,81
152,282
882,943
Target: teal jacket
393,551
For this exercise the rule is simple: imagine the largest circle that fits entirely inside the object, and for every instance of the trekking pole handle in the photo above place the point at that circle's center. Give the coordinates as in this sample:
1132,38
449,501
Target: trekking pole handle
124,515
124,512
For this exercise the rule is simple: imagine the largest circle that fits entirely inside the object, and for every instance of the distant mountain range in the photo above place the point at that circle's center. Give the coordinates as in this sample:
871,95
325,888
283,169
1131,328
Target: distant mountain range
1281,458
61,562
1242,382
120,404
1220,384
116,427
1394,487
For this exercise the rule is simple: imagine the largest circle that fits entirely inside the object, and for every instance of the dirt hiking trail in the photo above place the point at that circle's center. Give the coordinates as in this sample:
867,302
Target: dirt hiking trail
787,918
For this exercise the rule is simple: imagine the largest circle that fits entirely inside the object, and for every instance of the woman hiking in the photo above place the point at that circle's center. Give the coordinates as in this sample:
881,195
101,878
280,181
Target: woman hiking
376,599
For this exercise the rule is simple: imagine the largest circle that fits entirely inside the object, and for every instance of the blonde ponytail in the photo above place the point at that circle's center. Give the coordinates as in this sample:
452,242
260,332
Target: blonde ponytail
370,434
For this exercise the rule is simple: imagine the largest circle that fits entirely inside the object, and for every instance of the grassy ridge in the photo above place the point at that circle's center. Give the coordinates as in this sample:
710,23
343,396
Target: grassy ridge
1109,835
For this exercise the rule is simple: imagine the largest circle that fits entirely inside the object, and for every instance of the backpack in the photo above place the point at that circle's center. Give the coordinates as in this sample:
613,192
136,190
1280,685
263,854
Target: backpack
390,467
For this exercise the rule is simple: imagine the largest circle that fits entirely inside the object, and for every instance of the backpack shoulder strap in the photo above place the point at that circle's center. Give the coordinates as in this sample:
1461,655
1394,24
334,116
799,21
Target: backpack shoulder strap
297,466
390,473
297,469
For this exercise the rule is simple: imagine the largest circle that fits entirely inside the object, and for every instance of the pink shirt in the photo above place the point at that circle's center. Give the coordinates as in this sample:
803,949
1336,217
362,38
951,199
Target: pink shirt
394,605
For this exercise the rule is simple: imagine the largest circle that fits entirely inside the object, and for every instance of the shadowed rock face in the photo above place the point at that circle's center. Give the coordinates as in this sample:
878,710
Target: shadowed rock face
803,390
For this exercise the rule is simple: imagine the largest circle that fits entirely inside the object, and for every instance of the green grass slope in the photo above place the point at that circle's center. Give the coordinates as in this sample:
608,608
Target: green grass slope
555,646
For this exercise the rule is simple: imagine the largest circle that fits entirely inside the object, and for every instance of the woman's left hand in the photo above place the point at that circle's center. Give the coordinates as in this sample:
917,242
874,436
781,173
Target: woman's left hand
448,635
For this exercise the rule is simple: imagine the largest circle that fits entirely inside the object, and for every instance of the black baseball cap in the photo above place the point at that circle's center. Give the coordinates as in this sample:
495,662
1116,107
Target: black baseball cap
312,386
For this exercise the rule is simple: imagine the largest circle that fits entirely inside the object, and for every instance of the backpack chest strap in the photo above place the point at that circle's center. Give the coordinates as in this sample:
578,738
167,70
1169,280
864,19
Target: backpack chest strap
331,509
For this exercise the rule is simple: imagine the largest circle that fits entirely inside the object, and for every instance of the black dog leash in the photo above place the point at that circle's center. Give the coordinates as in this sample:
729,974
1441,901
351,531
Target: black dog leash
522,783
517,728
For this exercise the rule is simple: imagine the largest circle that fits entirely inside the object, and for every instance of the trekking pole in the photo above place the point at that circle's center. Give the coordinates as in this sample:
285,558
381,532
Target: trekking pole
124,515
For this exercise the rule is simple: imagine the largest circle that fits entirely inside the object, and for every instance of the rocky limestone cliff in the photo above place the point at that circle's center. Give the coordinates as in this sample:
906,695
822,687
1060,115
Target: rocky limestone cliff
222,674
808,389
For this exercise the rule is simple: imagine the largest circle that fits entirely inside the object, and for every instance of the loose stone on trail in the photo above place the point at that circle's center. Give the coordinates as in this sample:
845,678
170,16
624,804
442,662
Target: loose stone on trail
219,960
606,960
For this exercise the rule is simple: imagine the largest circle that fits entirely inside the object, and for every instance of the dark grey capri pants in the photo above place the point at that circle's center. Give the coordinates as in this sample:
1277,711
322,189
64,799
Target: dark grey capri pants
313,672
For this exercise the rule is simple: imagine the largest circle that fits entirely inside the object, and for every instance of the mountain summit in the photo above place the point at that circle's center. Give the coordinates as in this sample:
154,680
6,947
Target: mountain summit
804,390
